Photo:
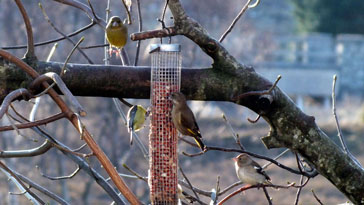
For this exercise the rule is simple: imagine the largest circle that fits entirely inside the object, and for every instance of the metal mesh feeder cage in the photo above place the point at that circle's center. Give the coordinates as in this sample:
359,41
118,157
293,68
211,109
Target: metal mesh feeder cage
163,138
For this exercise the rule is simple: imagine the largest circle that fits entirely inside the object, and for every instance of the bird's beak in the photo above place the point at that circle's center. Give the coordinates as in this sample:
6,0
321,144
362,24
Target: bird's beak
235,159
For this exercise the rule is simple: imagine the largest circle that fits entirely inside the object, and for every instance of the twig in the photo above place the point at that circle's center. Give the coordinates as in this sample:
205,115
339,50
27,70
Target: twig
11,97
188,142
299,191
43,148
95,46
164,10
80,148
275,158
267,196
70,54
30,48
244,188
188,182
264,92
317,199
160,33
217,190
125,102
236,136
84,8
56,40
255,120
106,55
61,177
140,28
41,189
64,35
17,130
134,173
62,86
339,133
21,184
92,10
242,11
34,123
127,11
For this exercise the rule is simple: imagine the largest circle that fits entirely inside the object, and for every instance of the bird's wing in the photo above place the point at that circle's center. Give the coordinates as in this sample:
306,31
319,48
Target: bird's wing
188,120
260,170
131,117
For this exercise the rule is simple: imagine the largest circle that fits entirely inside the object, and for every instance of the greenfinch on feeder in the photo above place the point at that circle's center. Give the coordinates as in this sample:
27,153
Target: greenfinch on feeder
136,117
116,32
184,120
249,171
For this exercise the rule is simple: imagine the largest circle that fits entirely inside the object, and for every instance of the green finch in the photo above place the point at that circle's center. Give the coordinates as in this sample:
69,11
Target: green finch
184,120
116,32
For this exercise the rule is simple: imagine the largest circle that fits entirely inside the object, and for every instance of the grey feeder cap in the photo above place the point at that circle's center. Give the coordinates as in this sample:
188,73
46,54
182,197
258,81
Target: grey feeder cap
165,48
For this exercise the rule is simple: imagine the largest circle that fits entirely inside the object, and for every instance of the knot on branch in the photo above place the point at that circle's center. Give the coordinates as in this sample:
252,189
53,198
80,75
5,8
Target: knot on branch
211,47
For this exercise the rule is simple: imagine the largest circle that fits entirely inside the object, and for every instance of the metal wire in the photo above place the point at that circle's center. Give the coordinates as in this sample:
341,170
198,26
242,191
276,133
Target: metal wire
163,163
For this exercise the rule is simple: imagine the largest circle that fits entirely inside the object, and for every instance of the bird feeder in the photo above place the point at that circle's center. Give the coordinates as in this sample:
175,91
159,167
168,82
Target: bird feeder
163,138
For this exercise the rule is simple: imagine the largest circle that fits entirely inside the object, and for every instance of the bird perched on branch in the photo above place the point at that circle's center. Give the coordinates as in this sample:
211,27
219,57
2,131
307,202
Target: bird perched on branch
136,117
249,171
184,120
116,32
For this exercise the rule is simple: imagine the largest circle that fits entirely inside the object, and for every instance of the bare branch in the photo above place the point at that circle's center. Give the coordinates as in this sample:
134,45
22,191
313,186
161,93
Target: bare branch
235,135
28,152
64,35
242,11
55,40
140,28
62,86
41,189
127,11
267,196
189,183
22,92
317,199
60,177
84,8
30,49
168,31
7,169
134,173
35,123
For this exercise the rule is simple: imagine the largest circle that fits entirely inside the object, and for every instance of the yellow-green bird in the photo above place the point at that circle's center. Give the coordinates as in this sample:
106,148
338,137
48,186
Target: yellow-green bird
184,120
116,32
136,117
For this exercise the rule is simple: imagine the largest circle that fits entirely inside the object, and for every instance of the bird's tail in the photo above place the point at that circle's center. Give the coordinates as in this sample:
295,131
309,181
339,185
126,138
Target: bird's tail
200,143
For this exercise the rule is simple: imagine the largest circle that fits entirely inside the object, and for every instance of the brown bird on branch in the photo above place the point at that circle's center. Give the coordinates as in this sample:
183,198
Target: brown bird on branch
249,171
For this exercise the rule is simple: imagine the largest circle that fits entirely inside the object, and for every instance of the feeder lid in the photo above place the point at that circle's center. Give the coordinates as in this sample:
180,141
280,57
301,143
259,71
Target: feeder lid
165,48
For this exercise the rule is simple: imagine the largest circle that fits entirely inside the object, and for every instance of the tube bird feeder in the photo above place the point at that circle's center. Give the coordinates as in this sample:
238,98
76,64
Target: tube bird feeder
163,137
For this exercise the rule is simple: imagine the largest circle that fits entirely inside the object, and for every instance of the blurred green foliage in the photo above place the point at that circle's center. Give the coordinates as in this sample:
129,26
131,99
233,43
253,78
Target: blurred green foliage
330,16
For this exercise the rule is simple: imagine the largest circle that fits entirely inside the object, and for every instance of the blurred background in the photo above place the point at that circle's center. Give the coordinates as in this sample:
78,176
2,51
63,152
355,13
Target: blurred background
306,42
